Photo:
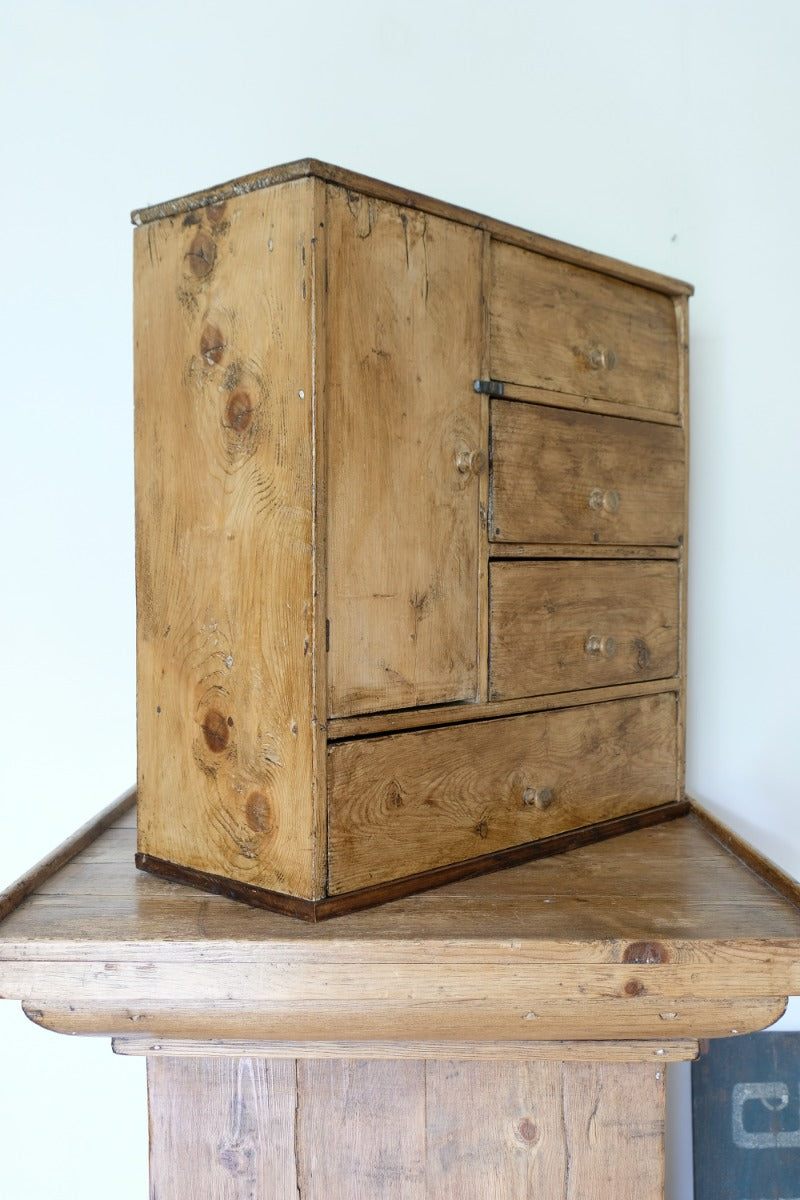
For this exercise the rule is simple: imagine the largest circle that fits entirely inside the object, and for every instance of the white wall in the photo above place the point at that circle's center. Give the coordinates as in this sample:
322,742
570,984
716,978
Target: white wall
663,133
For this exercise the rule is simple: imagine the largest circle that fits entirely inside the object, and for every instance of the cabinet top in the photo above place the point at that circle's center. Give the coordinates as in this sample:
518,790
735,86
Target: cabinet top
306,168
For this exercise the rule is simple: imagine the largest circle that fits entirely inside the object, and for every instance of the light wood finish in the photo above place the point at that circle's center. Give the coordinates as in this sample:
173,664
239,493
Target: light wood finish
404,339
448,794
555,1051
561,327
592,404
238,1128
548,464
353,181
83,839
222,1128
454,714
657,933
505,1036
224,565
318,361
562,625
386,1024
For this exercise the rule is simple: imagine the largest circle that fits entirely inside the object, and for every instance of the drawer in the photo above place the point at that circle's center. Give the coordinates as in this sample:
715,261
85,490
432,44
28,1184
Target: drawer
411,802
569,329
556,626
575,478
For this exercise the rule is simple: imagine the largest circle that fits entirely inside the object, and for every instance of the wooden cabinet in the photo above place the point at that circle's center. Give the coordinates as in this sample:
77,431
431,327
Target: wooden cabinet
410,541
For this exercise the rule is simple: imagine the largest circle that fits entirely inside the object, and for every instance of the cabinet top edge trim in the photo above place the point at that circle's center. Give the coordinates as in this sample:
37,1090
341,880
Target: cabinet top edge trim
501,230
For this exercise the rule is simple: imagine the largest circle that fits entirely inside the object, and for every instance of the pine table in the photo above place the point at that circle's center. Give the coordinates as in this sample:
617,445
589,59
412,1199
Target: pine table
501,1037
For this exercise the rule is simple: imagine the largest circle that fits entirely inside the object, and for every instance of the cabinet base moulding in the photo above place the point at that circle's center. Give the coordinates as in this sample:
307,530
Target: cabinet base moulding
396,889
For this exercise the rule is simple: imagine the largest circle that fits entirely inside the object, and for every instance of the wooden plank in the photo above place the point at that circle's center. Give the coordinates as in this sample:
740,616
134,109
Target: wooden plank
525,550
225,573
564,477
763,867
405,1130
675,883
629,1051
361,1130
456,714
614,1120
403,348
438,796
83,839
592,404
544,615
326,983
219,1125
497,1130
403,196
634,1018
566,329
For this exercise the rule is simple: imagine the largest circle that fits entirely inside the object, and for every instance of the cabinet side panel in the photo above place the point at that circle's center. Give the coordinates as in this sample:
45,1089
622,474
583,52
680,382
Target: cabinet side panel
225,539
404,344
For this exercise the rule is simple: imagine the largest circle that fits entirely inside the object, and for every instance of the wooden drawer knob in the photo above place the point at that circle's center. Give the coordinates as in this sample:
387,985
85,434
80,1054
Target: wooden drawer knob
608,500
601,647
538,797
601,360
470,462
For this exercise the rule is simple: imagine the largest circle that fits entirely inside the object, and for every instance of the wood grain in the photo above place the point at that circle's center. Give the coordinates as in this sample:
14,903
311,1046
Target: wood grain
225,573
558,326
547,462
84,839
517,1051
398,1023
442,795
454,714
241,1128
403,349
543,614
223,1128
354,181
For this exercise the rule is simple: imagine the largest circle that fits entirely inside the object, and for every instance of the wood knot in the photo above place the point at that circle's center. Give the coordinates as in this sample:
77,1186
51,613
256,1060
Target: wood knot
202,255
645,952
258,813
239,410
212,344
528,1131
482,829
216,730
634,987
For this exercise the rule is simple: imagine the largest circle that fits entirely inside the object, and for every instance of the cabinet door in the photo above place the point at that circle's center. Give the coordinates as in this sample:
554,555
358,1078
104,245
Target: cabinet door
403,437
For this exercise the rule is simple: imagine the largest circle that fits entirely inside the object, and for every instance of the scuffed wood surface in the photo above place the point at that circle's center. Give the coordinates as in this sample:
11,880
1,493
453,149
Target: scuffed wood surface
556,1051
661,932
225,572
443,795
222,1128
546,462
355,1130
403,336
542,614
354,181
560,327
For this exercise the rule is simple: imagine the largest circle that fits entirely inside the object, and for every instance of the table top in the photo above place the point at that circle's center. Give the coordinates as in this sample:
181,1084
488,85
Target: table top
665,932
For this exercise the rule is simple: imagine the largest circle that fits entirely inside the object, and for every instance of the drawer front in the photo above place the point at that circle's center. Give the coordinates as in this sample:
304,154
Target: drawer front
555,626
577,478
569,329
411,802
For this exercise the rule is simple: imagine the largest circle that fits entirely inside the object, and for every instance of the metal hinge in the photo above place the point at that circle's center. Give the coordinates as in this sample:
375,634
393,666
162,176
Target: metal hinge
489,387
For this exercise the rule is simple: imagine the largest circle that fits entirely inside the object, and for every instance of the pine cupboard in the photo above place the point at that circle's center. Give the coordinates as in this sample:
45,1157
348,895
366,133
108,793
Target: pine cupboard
411,526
